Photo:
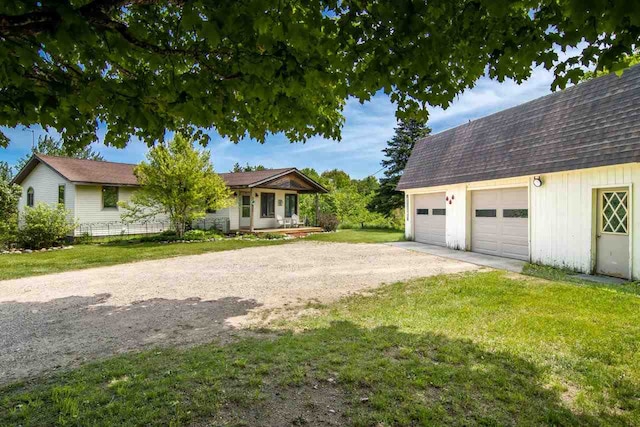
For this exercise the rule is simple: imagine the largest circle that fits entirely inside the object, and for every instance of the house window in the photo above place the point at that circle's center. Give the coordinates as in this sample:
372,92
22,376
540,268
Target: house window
30,197
515,213
439,211
485,213
290,205
615,212
422,211
61,194
267,205
109,197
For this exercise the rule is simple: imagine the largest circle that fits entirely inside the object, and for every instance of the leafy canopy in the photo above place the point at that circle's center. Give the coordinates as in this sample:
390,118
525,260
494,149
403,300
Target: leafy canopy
178,181
256,67
387,200
54,147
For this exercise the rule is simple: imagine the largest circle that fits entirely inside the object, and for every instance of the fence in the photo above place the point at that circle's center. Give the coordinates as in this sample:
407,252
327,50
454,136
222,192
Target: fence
117,228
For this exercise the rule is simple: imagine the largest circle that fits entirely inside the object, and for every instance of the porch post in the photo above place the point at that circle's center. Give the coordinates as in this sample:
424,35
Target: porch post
251,210
317,209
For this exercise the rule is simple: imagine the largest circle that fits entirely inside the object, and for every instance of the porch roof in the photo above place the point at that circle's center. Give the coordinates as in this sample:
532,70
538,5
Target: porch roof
283,179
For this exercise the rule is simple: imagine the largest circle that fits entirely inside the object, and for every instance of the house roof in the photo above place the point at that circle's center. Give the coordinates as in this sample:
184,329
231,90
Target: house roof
270,178
595,123
82,171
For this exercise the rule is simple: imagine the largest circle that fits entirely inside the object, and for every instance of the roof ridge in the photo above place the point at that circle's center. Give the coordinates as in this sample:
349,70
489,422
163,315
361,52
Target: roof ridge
85,160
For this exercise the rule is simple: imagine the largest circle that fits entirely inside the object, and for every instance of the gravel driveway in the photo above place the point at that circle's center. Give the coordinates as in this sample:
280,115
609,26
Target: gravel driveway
61,320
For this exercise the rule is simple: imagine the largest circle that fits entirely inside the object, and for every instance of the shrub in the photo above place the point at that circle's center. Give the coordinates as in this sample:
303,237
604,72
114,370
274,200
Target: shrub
83,239
43,226
195,235
273,236
328,221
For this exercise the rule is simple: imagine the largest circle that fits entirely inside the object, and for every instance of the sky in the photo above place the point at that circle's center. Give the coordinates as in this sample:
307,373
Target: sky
366,130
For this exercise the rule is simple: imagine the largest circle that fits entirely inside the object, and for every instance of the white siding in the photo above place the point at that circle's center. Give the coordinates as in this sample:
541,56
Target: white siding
231,212
562,220
279,208
561,213
89,204
45,182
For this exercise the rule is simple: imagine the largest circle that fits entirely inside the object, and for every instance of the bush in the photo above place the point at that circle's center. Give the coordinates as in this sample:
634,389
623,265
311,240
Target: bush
273,236
44,226
195,235
328,221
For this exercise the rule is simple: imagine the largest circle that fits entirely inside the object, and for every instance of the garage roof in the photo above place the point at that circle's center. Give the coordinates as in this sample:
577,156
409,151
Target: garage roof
595,123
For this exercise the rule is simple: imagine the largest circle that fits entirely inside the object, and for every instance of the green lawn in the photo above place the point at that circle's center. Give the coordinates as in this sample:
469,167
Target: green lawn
479,348
86,256
359,236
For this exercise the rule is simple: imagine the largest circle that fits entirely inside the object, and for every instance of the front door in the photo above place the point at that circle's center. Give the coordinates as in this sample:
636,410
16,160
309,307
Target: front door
245,210
612,234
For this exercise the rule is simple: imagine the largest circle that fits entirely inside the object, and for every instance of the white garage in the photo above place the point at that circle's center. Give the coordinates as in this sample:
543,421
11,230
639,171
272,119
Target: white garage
430,218
499,222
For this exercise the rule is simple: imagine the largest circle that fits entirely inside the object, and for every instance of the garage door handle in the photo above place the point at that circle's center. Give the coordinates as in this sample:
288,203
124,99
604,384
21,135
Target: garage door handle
598,236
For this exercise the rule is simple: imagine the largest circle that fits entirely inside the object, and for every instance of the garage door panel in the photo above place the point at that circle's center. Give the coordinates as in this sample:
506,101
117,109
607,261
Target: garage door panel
429,228
495,232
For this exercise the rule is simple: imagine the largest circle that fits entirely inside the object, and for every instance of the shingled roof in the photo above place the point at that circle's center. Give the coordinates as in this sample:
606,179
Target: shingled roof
81,171
595,123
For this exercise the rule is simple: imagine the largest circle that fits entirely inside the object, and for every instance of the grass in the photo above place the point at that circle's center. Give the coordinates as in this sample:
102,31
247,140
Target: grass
566,275
360,236
478,348
87,256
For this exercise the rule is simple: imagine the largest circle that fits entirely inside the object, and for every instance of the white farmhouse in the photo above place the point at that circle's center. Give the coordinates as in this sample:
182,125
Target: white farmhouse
553,181
91,190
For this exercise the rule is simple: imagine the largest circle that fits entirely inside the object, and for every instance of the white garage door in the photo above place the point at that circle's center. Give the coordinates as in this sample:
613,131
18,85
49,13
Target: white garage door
500,224
429,218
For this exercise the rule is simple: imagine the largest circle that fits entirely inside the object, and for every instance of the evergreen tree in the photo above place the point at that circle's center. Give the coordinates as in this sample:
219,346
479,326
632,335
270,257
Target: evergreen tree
55,147
387,199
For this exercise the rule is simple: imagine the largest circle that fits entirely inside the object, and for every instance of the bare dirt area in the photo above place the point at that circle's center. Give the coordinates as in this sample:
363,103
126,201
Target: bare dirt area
62,320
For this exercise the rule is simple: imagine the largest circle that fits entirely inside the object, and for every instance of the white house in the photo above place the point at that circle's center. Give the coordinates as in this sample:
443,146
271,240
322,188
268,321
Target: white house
91,190
554,181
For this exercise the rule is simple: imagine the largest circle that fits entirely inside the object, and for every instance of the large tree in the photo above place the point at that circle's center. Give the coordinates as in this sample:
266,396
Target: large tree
387,199
179,181
55,147
256,67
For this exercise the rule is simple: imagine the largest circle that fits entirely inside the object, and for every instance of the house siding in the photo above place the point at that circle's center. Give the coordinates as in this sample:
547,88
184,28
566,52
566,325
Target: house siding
259,222
45,182
562,221
561,214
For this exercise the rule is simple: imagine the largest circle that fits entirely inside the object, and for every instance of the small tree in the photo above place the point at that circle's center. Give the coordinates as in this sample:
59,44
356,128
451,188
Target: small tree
43,226
179,181
9,196
6,172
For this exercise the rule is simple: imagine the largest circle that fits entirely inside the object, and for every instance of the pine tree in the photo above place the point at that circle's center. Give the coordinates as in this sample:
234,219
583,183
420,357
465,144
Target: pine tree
387,199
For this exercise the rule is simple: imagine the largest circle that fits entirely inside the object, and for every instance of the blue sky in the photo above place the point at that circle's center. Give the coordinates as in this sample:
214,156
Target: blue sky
366,130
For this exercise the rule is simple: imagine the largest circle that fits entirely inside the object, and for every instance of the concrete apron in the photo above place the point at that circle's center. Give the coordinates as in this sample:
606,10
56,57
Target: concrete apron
508,264
500,263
